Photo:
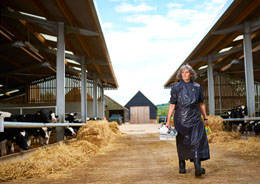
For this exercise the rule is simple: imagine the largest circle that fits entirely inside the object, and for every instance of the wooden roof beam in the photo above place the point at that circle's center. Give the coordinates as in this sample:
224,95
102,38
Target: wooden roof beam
67,13
5,35
46,14
19,37
47,23
254,25
31,67
222,54
222,38
40,38
73,56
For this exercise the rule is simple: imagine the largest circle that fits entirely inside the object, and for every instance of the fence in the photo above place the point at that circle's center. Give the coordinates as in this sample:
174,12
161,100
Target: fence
229,93
33,107
44,91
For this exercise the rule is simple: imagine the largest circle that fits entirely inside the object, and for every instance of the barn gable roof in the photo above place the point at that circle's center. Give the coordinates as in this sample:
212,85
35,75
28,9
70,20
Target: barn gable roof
113,105
139,100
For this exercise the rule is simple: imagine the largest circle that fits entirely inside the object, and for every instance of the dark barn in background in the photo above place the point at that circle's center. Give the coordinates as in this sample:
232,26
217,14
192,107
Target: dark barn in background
112,107
142,110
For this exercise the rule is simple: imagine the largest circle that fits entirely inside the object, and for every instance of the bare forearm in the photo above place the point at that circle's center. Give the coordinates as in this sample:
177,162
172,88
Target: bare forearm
170,113
203,110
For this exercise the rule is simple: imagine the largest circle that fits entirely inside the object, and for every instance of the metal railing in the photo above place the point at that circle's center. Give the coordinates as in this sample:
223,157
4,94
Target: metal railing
33,107
245,119
8,124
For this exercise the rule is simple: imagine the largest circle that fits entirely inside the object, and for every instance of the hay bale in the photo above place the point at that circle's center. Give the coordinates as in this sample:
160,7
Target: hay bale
91,140
231,140
222,137
114,127
215,123
98,133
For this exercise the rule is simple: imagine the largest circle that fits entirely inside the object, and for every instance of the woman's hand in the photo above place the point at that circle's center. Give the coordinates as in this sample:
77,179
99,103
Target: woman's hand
206,122
170,112
168,124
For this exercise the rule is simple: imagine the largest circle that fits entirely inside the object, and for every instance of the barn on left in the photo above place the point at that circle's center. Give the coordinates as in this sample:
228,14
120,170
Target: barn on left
53,54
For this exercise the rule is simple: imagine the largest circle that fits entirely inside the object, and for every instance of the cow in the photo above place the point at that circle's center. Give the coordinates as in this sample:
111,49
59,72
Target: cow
227,125
69,132
71,118
240,126
236,126
250,128
254,127
13,135
42,116
257,128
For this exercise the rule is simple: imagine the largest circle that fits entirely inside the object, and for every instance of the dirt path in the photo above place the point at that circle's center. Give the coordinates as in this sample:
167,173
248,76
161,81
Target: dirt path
143,159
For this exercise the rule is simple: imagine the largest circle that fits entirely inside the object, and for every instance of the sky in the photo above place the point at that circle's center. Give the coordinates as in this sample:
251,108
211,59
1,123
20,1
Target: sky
148,40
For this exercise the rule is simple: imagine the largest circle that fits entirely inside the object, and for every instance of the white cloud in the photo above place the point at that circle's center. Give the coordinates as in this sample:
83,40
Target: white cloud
107,25
145,57
116,0
174,5
126,7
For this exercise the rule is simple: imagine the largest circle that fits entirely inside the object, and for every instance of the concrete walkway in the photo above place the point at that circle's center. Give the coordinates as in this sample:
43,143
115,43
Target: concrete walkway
139,128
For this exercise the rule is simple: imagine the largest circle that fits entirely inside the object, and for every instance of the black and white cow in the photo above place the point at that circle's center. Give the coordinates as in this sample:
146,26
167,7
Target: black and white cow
236,126
42,116
71,118
253,128
227,124
69,132
13,135
257,128
240,126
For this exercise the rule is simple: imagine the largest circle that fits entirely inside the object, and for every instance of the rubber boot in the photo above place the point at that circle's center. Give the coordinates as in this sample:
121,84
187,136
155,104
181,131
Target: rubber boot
197,167
202,170
182,169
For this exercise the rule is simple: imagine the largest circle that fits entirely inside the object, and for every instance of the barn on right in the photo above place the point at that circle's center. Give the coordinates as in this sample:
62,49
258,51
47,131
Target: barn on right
227,60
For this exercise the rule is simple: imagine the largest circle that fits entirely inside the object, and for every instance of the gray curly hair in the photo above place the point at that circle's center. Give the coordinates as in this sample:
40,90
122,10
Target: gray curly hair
188,67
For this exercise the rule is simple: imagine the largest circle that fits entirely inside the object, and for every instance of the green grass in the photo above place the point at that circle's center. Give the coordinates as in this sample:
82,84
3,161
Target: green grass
162,109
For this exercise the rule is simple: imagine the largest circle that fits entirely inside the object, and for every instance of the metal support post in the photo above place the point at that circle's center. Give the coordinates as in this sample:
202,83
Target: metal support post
60,76
249,72
2,116
211,95
220,93
102,103
1,124
258,99
83,91
95,105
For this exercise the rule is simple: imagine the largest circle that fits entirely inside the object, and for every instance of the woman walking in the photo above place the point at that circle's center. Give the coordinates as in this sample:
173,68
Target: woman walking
187,104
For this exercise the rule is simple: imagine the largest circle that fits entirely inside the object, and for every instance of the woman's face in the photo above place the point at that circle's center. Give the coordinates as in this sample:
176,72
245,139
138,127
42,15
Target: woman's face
185,74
